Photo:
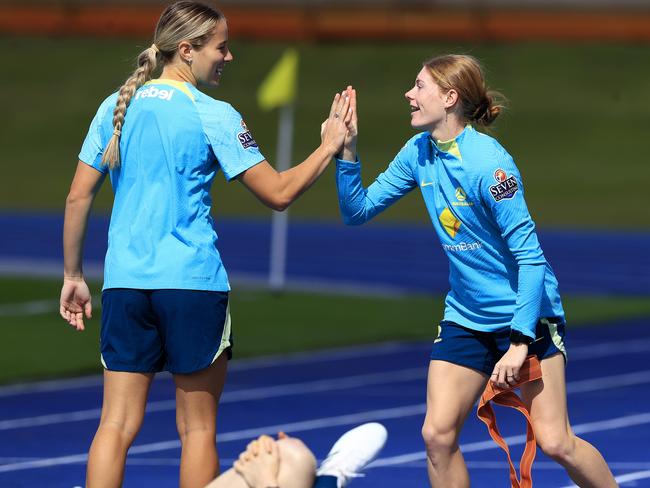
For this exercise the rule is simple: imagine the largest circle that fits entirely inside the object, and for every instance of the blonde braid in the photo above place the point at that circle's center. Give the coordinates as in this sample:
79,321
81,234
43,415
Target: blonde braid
147,62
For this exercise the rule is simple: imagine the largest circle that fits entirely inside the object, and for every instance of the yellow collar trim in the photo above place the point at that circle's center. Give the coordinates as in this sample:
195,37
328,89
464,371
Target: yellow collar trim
176,84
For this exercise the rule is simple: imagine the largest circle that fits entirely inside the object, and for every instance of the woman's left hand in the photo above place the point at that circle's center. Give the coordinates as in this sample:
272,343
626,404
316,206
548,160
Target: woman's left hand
75,302
506,371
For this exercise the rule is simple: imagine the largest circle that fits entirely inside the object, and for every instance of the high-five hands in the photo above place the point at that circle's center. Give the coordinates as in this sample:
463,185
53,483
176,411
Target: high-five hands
335,128
349,152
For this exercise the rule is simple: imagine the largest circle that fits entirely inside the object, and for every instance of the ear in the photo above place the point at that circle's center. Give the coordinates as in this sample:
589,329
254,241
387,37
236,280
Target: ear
185,51
450,98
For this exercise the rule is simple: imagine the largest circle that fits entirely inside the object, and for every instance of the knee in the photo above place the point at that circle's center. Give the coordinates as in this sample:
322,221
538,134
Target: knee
125,429
298,464
438,440
559,446
194,429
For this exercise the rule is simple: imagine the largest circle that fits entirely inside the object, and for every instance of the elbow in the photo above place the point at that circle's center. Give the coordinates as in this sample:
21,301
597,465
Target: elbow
353,219
73,199
281,202
280,206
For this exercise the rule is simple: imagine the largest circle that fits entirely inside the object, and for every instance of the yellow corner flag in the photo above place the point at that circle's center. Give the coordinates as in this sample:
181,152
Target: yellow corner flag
279,87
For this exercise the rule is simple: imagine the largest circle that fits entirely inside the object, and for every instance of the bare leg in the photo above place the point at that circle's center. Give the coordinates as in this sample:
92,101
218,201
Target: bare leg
297,468
548,410
451,393
125,397
197,397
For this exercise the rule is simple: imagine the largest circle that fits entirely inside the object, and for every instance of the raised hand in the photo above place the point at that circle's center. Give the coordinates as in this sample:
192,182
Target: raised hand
335,127
349,152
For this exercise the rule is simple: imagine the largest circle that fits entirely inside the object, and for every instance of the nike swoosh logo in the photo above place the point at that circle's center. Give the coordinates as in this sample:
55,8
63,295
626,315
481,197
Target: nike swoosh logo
428,183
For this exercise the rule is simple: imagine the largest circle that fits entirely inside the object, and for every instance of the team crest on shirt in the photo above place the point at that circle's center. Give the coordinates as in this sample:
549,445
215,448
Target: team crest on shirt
245,137
506,186
461,198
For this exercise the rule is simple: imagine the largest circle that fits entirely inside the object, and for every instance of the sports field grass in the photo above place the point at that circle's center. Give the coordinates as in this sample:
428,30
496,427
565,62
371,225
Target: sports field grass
576,124
42,345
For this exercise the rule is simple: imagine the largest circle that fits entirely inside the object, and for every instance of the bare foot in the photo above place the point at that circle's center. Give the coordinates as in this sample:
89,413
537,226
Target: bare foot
259,464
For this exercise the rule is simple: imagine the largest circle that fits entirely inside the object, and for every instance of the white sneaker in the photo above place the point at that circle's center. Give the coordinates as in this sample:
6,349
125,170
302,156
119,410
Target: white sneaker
353,452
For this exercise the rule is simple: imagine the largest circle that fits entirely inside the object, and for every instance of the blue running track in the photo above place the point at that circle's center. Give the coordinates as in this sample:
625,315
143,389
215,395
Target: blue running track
47,427
394,258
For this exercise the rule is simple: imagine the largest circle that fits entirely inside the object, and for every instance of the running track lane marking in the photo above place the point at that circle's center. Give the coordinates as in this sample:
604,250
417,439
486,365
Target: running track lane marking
314,424
235,396
292,359
637,475
323,355
580,386
598,426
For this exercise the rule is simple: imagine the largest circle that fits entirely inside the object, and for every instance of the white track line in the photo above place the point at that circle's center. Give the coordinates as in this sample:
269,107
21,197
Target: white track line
308,357
333,384
288,360
498,465
234,396
302,426
320,423
36,307
598,426
637,475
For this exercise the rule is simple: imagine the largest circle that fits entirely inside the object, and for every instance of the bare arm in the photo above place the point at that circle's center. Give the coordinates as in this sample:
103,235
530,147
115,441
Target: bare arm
279,190
75,296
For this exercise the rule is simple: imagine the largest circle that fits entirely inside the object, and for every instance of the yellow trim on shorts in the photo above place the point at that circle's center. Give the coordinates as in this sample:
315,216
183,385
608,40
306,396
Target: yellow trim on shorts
438,338
555,336
225,336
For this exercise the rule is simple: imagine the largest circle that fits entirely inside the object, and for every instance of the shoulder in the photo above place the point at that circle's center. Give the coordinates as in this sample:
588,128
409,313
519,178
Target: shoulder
414,147
206,103
108,105
217,114
485,154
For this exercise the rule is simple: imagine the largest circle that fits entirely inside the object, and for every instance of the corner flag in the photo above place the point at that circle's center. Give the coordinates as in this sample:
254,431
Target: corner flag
279,87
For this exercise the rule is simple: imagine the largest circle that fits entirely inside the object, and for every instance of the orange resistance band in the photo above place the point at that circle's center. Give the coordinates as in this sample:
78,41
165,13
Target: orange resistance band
530,371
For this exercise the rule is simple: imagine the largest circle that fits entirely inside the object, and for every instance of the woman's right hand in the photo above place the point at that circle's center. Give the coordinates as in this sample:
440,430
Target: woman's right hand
335,127
349,152
75,302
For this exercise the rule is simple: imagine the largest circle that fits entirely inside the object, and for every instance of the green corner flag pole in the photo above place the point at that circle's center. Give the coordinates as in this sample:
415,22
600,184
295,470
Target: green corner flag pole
279,90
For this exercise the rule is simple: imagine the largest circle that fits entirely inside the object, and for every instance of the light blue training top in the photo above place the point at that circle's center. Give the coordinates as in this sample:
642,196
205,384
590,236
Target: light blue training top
473,192
174,140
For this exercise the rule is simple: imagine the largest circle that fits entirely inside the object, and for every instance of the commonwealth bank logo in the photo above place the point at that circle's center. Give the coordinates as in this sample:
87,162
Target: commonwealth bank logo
449,222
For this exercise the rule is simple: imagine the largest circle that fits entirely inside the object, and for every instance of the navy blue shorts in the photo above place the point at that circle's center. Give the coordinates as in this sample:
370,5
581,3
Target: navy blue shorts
482,350
180,331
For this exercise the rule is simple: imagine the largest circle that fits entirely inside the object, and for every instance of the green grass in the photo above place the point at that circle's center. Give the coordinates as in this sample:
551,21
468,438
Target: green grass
40,346
576,124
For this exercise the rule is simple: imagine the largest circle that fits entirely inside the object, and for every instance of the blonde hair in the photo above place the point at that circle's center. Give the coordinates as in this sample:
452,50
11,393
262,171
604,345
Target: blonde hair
465,75
181,21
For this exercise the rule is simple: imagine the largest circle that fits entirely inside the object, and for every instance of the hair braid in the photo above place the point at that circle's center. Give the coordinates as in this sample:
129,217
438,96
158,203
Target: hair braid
146,65
189,20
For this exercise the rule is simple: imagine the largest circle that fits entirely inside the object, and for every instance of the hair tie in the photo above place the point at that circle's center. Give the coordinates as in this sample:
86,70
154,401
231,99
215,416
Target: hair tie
117,132
155,48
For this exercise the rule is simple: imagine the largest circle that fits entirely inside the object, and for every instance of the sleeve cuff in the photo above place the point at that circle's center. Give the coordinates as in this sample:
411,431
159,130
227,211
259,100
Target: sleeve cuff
346,162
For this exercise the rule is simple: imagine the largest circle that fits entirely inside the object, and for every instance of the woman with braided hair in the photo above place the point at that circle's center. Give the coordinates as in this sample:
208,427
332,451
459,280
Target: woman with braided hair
165,294
504,302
